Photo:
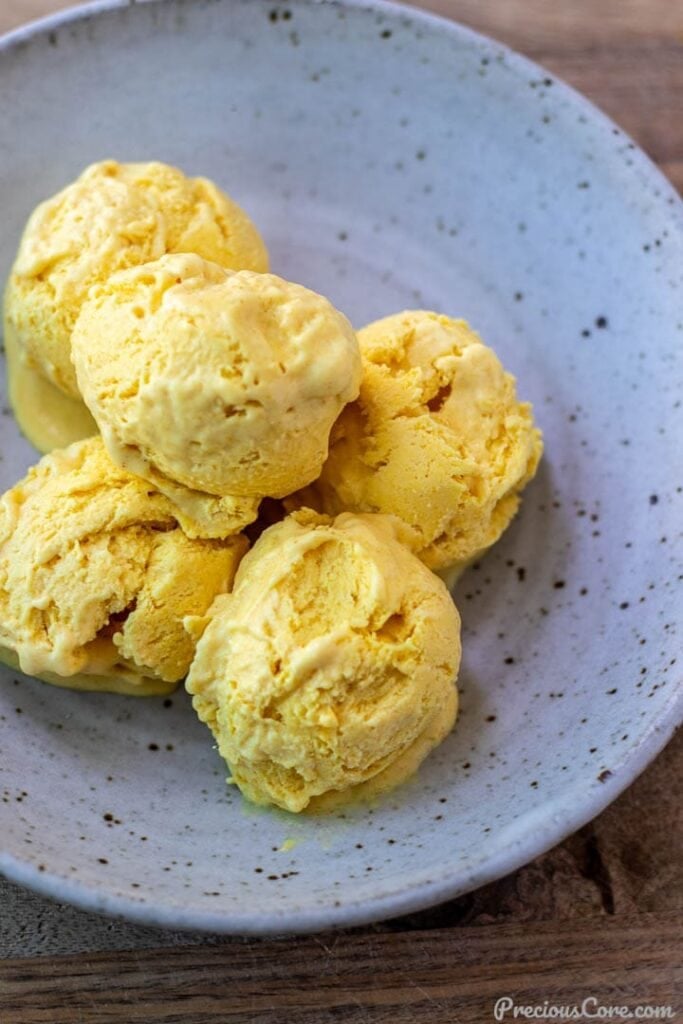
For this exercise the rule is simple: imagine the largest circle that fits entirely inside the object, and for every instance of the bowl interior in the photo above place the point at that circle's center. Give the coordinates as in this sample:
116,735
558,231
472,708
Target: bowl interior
391,162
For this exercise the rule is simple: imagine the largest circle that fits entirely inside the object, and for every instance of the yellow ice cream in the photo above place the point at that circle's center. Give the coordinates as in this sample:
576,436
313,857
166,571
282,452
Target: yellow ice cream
331,665
96,576
46,415
113,216
437,437
218,382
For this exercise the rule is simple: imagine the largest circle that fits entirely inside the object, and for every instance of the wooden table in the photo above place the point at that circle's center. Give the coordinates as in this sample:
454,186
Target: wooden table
598,917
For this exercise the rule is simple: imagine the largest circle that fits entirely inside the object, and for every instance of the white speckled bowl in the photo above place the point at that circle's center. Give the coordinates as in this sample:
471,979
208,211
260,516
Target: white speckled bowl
392,160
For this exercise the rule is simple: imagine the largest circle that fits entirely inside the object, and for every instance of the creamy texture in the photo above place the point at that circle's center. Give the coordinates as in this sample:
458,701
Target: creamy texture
47,416
331,664
437,437
113,216
223,382
127,682
96,576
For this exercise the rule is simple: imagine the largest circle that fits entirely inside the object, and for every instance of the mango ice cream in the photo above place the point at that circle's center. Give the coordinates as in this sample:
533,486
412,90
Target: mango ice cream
96,576
112,217
213,382
331,665
437,437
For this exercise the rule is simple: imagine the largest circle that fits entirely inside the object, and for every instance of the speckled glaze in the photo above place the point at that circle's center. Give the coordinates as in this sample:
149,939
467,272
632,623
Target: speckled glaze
391,160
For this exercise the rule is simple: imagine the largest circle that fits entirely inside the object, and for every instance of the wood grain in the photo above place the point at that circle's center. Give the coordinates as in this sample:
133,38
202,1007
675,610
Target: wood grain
16,12
440,976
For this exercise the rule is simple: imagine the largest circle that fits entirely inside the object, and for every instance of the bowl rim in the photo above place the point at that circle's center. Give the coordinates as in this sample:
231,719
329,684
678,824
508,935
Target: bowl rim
568,814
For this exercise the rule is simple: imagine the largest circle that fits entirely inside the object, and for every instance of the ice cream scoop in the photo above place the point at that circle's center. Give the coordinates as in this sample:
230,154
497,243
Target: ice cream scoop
437,437
332,664
96,576
207,380
113,216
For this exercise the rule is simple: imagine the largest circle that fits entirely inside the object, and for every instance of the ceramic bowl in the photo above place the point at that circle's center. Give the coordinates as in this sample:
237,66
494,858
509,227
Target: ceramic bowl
392,160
